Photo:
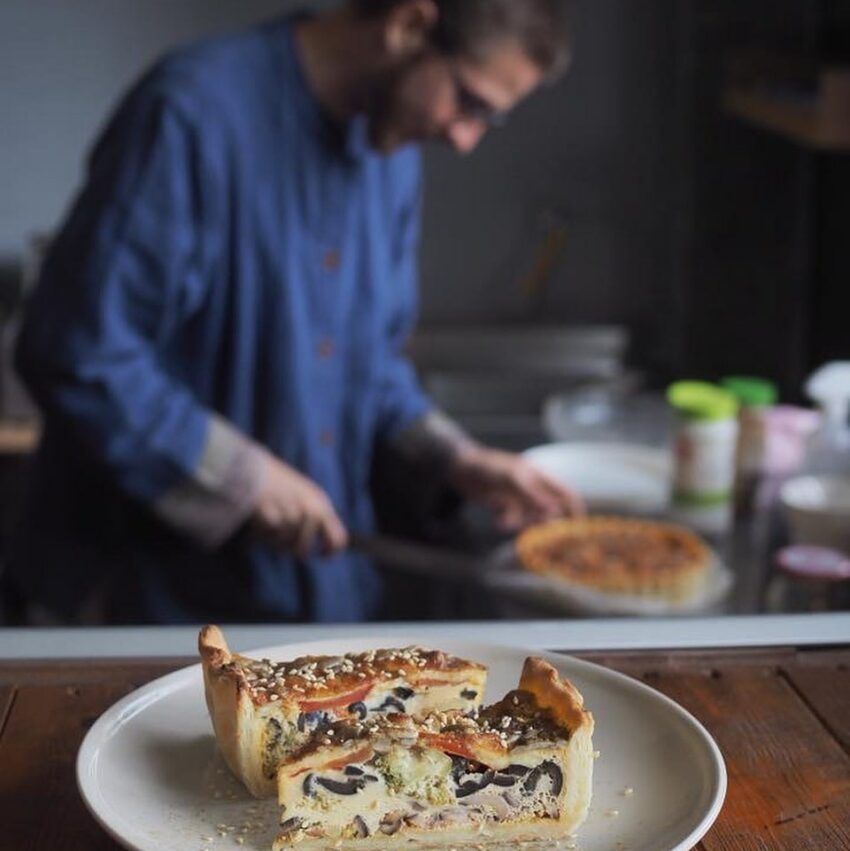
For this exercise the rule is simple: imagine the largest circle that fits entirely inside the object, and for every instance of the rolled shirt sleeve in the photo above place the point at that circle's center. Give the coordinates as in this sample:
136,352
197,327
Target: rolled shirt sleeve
118,283
211,504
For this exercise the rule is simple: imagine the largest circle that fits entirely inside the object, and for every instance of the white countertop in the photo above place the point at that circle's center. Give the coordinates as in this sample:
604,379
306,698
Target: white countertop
575,635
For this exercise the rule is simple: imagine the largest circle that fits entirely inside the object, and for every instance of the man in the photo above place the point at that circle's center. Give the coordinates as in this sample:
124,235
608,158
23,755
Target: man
216,341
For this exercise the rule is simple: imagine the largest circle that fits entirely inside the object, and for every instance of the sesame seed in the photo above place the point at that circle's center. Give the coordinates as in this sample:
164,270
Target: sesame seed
612,813
628,791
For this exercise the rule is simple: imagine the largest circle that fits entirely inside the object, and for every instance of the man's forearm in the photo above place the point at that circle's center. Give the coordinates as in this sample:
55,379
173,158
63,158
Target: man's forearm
434,440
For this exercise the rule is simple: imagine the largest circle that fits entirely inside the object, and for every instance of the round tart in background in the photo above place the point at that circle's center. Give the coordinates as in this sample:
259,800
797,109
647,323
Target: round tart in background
618,556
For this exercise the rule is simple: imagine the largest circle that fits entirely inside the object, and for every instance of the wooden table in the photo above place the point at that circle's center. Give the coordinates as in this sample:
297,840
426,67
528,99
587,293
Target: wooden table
780,716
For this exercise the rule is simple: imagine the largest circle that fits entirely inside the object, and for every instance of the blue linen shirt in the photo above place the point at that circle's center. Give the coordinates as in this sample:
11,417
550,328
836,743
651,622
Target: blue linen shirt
234,258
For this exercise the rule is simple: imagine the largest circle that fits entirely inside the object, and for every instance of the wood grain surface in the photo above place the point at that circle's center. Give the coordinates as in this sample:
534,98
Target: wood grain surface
781,718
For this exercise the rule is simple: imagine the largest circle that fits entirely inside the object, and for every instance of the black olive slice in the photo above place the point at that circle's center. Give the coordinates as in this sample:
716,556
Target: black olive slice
403,692
340,787
389,826
360,827
356,771
359,709
392,703
312,719
291,824
469,787
459,765
545,769
469,694
515,769
309,785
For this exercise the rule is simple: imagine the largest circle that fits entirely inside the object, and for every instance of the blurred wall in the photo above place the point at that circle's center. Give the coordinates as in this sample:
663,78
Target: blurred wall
595,153
765,279
63,63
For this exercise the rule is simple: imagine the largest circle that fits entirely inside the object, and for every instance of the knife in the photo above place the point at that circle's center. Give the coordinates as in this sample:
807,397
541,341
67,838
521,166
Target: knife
421,559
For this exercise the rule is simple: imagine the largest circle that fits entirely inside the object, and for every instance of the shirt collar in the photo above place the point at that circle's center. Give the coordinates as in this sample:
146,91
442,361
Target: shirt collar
350,140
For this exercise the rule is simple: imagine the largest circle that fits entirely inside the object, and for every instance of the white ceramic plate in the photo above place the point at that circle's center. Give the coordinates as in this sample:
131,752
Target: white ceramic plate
149,772
610,476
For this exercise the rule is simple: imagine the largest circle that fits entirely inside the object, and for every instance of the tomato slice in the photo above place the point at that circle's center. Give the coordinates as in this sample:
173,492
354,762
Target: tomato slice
448,744
363,755
336,701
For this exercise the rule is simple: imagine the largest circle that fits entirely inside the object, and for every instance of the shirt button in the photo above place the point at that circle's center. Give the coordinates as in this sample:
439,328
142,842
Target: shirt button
325,348
326,437
330,260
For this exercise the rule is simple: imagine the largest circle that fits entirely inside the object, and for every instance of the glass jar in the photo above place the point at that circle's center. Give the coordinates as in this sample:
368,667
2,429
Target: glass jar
705,444
809,579
756,396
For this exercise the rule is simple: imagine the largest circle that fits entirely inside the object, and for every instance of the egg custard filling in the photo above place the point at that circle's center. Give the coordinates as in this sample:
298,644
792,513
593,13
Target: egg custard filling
517,770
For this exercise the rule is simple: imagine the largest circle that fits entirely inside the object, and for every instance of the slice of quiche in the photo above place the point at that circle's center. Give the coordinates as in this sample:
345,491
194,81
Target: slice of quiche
518,770
263,711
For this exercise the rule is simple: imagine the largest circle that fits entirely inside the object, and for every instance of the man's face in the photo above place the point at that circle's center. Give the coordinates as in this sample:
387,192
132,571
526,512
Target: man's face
434,96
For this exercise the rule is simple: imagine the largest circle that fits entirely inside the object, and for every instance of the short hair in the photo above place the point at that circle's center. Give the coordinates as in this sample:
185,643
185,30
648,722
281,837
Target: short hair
469,27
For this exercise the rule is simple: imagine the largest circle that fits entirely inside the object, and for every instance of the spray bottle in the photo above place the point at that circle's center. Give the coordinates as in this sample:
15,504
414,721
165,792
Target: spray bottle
829,450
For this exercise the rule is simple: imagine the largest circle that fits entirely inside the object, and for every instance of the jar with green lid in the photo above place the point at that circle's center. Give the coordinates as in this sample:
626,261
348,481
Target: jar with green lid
756,396
705,444
751,392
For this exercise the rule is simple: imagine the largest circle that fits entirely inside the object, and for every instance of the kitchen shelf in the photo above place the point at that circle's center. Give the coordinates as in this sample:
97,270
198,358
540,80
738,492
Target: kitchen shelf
797,119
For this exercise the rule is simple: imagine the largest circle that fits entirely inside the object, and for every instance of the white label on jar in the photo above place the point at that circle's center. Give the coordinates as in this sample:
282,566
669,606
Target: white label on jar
704,455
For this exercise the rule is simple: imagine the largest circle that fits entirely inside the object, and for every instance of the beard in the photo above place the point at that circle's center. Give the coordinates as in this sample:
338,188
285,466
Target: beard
392,116
385,135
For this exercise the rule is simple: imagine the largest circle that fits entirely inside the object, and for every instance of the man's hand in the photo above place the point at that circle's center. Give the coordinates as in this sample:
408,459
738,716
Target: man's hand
295,514
516,491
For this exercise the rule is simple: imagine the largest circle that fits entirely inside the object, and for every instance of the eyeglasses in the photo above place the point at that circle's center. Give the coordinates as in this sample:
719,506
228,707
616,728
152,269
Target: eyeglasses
472,106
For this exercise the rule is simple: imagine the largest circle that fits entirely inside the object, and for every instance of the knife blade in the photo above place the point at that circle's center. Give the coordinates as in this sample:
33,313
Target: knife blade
421,559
